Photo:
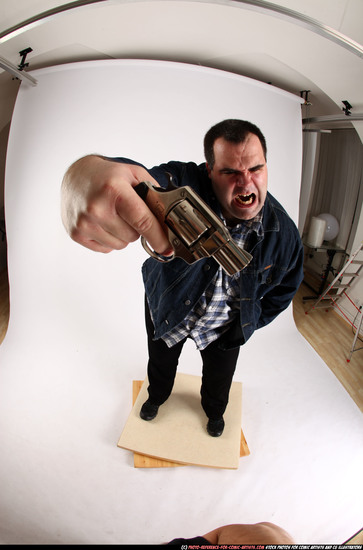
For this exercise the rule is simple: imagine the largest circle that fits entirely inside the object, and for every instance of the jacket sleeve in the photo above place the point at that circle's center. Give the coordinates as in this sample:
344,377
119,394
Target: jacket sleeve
279,297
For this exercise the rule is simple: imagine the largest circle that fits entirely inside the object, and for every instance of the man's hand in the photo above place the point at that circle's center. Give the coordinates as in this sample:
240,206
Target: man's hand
100,209
249,533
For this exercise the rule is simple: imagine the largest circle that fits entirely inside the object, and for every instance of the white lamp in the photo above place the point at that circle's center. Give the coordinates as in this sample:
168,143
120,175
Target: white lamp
332,226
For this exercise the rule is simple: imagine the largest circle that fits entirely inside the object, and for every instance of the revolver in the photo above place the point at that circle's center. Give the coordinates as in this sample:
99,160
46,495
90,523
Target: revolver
193,229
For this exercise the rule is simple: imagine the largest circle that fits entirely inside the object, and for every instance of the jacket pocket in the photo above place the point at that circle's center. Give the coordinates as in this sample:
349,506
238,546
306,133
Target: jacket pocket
267,275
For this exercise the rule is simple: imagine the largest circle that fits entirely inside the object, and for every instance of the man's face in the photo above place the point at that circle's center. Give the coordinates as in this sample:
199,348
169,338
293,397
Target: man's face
239,178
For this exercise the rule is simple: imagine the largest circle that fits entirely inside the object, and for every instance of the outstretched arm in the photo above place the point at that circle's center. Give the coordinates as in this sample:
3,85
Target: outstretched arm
100,209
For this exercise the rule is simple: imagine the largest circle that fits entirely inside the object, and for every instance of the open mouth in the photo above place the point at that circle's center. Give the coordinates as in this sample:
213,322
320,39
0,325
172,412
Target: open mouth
245,200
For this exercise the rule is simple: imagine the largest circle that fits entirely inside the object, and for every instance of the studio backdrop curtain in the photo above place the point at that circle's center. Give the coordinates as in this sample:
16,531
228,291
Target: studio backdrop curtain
338,179
311,143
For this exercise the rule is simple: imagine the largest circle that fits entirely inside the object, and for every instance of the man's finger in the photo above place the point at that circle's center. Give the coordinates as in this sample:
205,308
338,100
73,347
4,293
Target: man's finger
133,210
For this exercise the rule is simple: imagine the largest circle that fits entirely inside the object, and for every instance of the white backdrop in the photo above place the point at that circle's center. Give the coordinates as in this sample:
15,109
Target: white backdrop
76,337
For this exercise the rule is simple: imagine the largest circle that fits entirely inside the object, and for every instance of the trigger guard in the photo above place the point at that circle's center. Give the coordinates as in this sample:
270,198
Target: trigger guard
155,255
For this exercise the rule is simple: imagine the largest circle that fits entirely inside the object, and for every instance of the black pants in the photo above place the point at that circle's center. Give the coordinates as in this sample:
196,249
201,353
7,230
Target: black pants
218,370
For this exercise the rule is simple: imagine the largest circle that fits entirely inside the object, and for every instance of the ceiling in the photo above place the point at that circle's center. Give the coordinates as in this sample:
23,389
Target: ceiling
296,45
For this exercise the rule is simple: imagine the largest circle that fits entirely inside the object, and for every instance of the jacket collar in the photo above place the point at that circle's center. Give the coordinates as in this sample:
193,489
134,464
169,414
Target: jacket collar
270,220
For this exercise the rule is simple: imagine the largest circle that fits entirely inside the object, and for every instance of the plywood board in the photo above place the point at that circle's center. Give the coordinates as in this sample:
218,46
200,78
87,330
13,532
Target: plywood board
143,461
178,434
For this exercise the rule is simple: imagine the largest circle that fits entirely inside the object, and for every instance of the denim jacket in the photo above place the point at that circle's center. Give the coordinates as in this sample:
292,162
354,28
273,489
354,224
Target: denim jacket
267,284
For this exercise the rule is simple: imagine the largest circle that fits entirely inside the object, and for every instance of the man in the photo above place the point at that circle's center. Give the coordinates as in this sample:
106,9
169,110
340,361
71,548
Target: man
199,301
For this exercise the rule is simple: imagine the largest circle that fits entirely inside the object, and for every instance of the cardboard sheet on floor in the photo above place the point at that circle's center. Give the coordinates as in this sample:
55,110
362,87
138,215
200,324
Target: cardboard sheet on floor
178,434
143,461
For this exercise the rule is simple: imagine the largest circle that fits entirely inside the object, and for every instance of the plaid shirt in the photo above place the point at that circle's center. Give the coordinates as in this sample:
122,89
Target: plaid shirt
219,304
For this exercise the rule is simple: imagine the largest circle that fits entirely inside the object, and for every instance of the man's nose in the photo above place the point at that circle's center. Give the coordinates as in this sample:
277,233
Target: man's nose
244,177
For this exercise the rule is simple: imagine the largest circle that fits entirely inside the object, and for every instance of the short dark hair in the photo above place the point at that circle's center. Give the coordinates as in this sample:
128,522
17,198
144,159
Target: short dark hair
233,130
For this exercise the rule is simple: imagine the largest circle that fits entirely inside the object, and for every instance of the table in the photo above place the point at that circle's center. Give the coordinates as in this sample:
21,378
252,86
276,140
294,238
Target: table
331,250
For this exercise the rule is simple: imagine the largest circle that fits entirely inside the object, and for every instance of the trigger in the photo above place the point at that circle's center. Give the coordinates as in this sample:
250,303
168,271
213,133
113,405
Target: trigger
142,190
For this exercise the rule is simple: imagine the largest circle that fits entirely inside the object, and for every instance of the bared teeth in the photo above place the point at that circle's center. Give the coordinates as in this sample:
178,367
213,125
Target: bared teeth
245,199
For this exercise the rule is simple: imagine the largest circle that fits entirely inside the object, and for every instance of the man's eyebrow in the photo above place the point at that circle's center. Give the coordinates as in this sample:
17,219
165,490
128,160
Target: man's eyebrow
257,167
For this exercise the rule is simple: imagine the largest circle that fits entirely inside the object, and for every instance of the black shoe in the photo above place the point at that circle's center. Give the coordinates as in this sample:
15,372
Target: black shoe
215,427
149,410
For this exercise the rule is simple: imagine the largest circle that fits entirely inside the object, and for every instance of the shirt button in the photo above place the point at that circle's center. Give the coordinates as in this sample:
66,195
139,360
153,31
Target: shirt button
187,302
207,267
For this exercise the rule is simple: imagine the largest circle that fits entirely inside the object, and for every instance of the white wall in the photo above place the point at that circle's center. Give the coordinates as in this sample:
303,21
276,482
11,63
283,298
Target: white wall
149,111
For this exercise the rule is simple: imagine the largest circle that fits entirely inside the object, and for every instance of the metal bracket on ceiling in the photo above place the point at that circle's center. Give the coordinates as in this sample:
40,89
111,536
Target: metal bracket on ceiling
332,118
305,95
23,55
347,107
12,69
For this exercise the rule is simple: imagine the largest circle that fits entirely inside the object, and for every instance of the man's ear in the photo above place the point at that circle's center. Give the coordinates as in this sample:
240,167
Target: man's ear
208,169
